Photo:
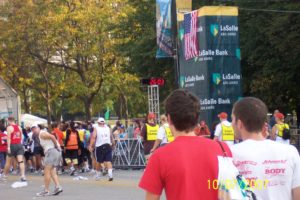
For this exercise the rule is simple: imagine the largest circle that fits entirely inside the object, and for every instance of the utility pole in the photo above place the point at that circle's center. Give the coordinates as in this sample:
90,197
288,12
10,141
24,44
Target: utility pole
175,42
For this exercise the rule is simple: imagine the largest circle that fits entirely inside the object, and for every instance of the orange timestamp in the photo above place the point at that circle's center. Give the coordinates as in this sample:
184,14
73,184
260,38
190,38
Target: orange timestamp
231,184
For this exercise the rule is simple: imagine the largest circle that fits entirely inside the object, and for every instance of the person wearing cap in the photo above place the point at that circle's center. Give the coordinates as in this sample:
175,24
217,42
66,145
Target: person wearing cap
279,127
14,148
224,130
149,134
102,142
52,160
38,153
122,133
272,121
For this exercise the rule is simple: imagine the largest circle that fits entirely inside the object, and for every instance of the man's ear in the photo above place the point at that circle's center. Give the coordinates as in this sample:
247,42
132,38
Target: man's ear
240,125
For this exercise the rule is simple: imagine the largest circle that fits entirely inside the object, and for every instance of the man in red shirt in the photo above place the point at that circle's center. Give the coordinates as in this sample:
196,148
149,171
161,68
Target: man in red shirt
58,134
3,147
60,139
14,148
185,167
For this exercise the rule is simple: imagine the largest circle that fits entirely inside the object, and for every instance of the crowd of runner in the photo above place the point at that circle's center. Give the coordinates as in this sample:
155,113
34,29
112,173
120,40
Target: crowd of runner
66,148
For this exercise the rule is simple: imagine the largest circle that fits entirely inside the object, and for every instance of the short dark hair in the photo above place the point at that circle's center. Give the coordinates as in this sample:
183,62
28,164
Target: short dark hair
11,119
54,125
183,107
252,112
2,127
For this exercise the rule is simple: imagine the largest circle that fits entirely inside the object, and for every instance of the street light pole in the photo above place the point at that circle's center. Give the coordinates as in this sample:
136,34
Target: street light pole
175,42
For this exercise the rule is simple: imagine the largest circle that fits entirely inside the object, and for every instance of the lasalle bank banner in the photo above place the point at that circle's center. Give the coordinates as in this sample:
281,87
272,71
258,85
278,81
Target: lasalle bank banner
209,56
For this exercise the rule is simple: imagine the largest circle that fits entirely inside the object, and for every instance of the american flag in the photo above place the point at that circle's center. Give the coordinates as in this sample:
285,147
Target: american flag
190,35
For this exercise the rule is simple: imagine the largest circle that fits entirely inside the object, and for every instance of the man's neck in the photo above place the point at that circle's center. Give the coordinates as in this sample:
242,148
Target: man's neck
182,133
253,136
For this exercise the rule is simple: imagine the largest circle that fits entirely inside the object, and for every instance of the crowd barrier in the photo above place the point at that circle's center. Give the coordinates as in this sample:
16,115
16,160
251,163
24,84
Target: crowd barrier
295,138
129,154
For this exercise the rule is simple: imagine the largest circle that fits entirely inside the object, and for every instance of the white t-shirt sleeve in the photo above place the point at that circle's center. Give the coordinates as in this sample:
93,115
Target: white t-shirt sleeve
161,133
296,170
218,131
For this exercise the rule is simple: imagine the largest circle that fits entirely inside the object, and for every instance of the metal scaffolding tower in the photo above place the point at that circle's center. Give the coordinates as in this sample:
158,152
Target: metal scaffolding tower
153,100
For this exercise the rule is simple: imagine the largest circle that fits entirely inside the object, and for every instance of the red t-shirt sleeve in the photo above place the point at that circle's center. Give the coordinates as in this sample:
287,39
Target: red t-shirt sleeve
152,180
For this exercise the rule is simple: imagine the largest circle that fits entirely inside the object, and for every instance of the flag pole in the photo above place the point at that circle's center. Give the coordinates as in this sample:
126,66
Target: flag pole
175,42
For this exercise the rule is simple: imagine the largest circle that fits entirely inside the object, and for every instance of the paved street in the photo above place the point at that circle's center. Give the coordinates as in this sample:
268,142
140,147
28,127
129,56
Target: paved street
123,187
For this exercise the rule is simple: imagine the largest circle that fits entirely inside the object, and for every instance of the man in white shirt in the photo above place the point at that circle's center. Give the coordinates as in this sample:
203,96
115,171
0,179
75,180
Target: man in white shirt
224,130
272,169
102,139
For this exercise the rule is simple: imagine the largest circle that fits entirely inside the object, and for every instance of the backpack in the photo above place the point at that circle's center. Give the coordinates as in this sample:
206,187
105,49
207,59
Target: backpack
286,134
232,185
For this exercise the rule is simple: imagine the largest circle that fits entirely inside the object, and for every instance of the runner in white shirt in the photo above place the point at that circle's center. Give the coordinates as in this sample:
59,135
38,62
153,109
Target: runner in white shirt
272,169
52,159
224,131
103,153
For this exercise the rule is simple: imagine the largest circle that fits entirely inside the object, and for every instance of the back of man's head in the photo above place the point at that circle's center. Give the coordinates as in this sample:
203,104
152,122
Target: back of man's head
2,128
11,120
183,108
54,125
252,112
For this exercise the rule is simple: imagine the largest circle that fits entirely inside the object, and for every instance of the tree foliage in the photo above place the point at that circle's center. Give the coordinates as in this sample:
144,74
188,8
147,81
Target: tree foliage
83,56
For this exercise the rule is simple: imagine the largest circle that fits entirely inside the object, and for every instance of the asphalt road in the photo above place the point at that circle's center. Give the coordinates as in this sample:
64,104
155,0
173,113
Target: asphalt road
124,187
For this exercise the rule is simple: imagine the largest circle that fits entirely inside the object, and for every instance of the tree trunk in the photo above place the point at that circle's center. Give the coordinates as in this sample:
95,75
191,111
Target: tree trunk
48,108
25,102
125,104
88,108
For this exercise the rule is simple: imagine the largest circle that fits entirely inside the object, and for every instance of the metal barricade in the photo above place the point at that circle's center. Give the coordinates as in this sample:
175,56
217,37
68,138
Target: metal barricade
295,138
129,154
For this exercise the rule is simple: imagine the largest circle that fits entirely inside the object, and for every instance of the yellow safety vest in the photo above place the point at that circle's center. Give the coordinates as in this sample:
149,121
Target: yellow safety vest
280,128
227,133
152,132
81,135
170,136
64,135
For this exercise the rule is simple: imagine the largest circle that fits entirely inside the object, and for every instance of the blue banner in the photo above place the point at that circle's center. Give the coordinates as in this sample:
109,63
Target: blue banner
164,34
